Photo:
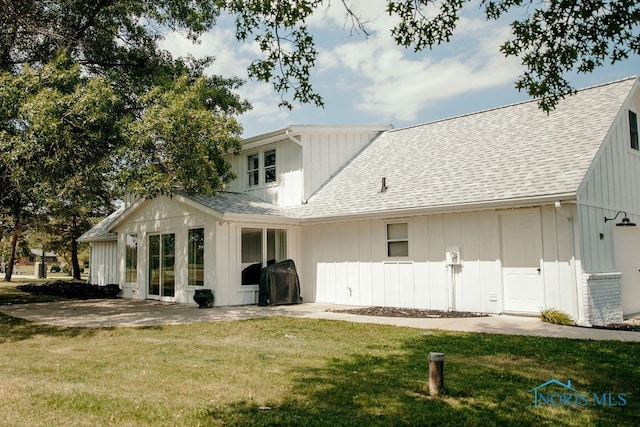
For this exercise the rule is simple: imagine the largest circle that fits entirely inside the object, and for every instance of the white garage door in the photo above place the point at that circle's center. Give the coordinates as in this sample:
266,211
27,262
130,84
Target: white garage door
521,261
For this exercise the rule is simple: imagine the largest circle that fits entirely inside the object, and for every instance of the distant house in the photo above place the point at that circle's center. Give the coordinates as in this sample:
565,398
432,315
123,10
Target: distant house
35,255
508,210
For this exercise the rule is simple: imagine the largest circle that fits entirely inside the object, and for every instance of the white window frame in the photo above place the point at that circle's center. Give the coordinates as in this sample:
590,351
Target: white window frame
262,169
388,240
264,249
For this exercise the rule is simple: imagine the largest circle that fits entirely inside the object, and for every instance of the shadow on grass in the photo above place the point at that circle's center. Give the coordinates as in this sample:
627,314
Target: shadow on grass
488,381
13,329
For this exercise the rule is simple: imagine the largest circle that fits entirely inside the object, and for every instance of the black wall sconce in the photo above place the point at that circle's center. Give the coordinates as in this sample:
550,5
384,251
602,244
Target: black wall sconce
626,222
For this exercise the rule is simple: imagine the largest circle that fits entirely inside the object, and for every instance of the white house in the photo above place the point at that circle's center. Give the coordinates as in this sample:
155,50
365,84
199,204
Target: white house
500,211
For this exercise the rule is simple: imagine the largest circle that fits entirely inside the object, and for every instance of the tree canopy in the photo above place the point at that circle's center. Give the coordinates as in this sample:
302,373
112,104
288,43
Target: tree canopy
90,106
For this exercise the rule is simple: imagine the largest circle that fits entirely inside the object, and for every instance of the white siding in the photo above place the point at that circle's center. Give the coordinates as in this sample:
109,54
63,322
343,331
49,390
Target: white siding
103,265
348,265
228,261
610,185
165,215
287,190
323,154
301,168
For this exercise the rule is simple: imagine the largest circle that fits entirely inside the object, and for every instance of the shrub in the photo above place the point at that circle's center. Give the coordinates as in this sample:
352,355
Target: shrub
71,289
55,268
555,316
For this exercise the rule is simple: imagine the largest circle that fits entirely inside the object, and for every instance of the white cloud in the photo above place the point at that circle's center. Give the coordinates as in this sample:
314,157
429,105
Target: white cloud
394,83
265,107
373,76
231,58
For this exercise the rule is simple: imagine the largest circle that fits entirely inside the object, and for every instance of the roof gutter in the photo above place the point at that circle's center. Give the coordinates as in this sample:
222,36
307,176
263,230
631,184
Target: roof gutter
260,219
453,208
109,238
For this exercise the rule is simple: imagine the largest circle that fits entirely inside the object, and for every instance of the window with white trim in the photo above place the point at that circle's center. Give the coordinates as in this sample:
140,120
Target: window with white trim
261,168
397,239
261,247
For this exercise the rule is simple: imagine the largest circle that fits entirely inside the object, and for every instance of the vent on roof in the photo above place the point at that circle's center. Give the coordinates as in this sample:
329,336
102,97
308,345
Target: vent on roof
383,188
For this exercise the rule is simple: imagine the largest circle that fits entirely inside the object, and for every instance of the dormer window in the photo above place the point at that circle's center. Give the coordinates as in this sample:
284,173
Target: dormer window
261,168
633,130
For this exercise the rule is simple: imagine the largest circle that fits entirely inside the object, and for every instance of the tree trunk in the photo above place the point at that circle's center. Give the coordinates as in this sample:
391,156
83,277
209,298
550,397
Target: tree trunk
14,242
74,249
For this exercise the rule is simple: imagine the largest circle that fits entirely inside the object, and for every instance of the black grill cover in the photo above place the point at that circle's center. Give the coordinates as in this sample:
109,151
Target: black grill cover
279,284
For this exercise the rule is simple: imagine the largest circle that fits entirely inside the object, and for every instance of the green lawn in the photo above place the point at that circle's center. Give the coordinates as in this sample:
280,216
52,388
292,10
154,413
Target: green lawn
306,372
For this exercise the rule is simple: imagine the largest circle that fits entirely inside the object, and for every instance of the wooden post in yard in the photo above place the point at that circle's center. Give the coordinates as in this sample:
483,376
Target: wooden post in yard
436,373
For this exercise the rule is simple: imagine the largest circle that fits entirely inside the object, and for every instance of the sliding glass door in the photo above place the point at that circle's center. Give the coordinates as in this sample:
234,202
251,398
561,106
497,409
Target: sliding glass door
162,255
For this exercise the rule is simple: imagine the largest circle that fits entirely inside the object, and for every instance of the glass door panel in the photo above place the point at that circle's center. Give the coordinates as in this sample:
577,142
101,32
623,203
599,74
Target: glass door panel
168,265
162,256
154,265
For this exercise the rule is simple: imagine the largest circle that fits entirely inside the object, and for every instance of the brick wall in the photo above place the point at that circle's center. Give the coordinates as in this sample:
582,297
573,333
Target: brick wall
603,298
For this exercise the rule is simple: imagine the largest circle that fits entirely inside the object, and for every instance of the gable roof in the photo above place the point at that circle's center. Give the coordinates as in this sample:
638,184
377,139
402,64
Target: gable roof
225,205
515,153
230,203
100,231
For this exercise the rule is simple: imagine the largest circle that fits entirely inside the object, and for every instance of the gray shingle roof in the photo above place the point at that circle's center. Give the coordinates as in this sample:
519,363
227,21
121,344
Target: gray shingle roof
242,204
507,153
99,231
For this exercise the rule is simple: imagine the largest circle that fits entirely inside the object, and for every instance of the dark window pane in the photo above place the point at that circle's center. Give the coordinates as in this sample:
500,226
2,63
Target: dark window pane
397,249
251,255
270,175
269,158
633,130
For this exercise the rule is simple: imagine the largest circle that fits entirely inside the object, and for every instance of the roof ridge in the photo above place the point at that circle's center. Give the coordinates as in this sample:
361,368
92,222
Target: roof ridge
513,104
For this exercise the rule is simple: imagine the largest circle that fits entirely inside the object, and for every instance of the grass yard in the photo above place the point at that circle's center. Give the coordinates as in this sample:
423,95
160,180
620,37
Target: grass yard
301,372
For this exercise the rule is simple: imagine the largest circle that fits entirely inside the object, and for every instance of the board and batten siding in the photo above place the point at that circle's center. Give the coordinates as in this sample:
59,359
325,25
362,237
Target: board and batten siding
103,264
228,261
302,167
287,190
163,216
610,185
323,154
346,262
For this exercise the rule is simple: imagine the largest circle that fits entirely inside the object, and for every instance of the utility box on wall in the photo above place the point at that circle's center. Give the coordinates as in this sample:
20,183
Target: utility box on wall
453,256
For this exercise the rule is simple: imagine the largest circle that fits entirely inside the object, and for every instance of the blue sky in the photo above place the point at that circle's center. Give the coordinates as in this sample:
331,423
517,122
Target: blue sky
372,81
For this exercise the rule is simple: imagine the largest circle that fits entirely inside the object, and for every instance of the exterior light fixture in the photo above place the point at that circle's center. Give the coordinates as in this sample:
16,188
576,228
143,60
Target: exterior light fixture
626,222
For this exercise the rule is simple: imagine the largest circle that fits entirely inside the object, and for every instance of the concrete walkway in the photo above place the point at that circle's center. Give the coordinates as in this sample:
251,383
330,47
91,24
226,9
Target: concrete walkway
123,312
